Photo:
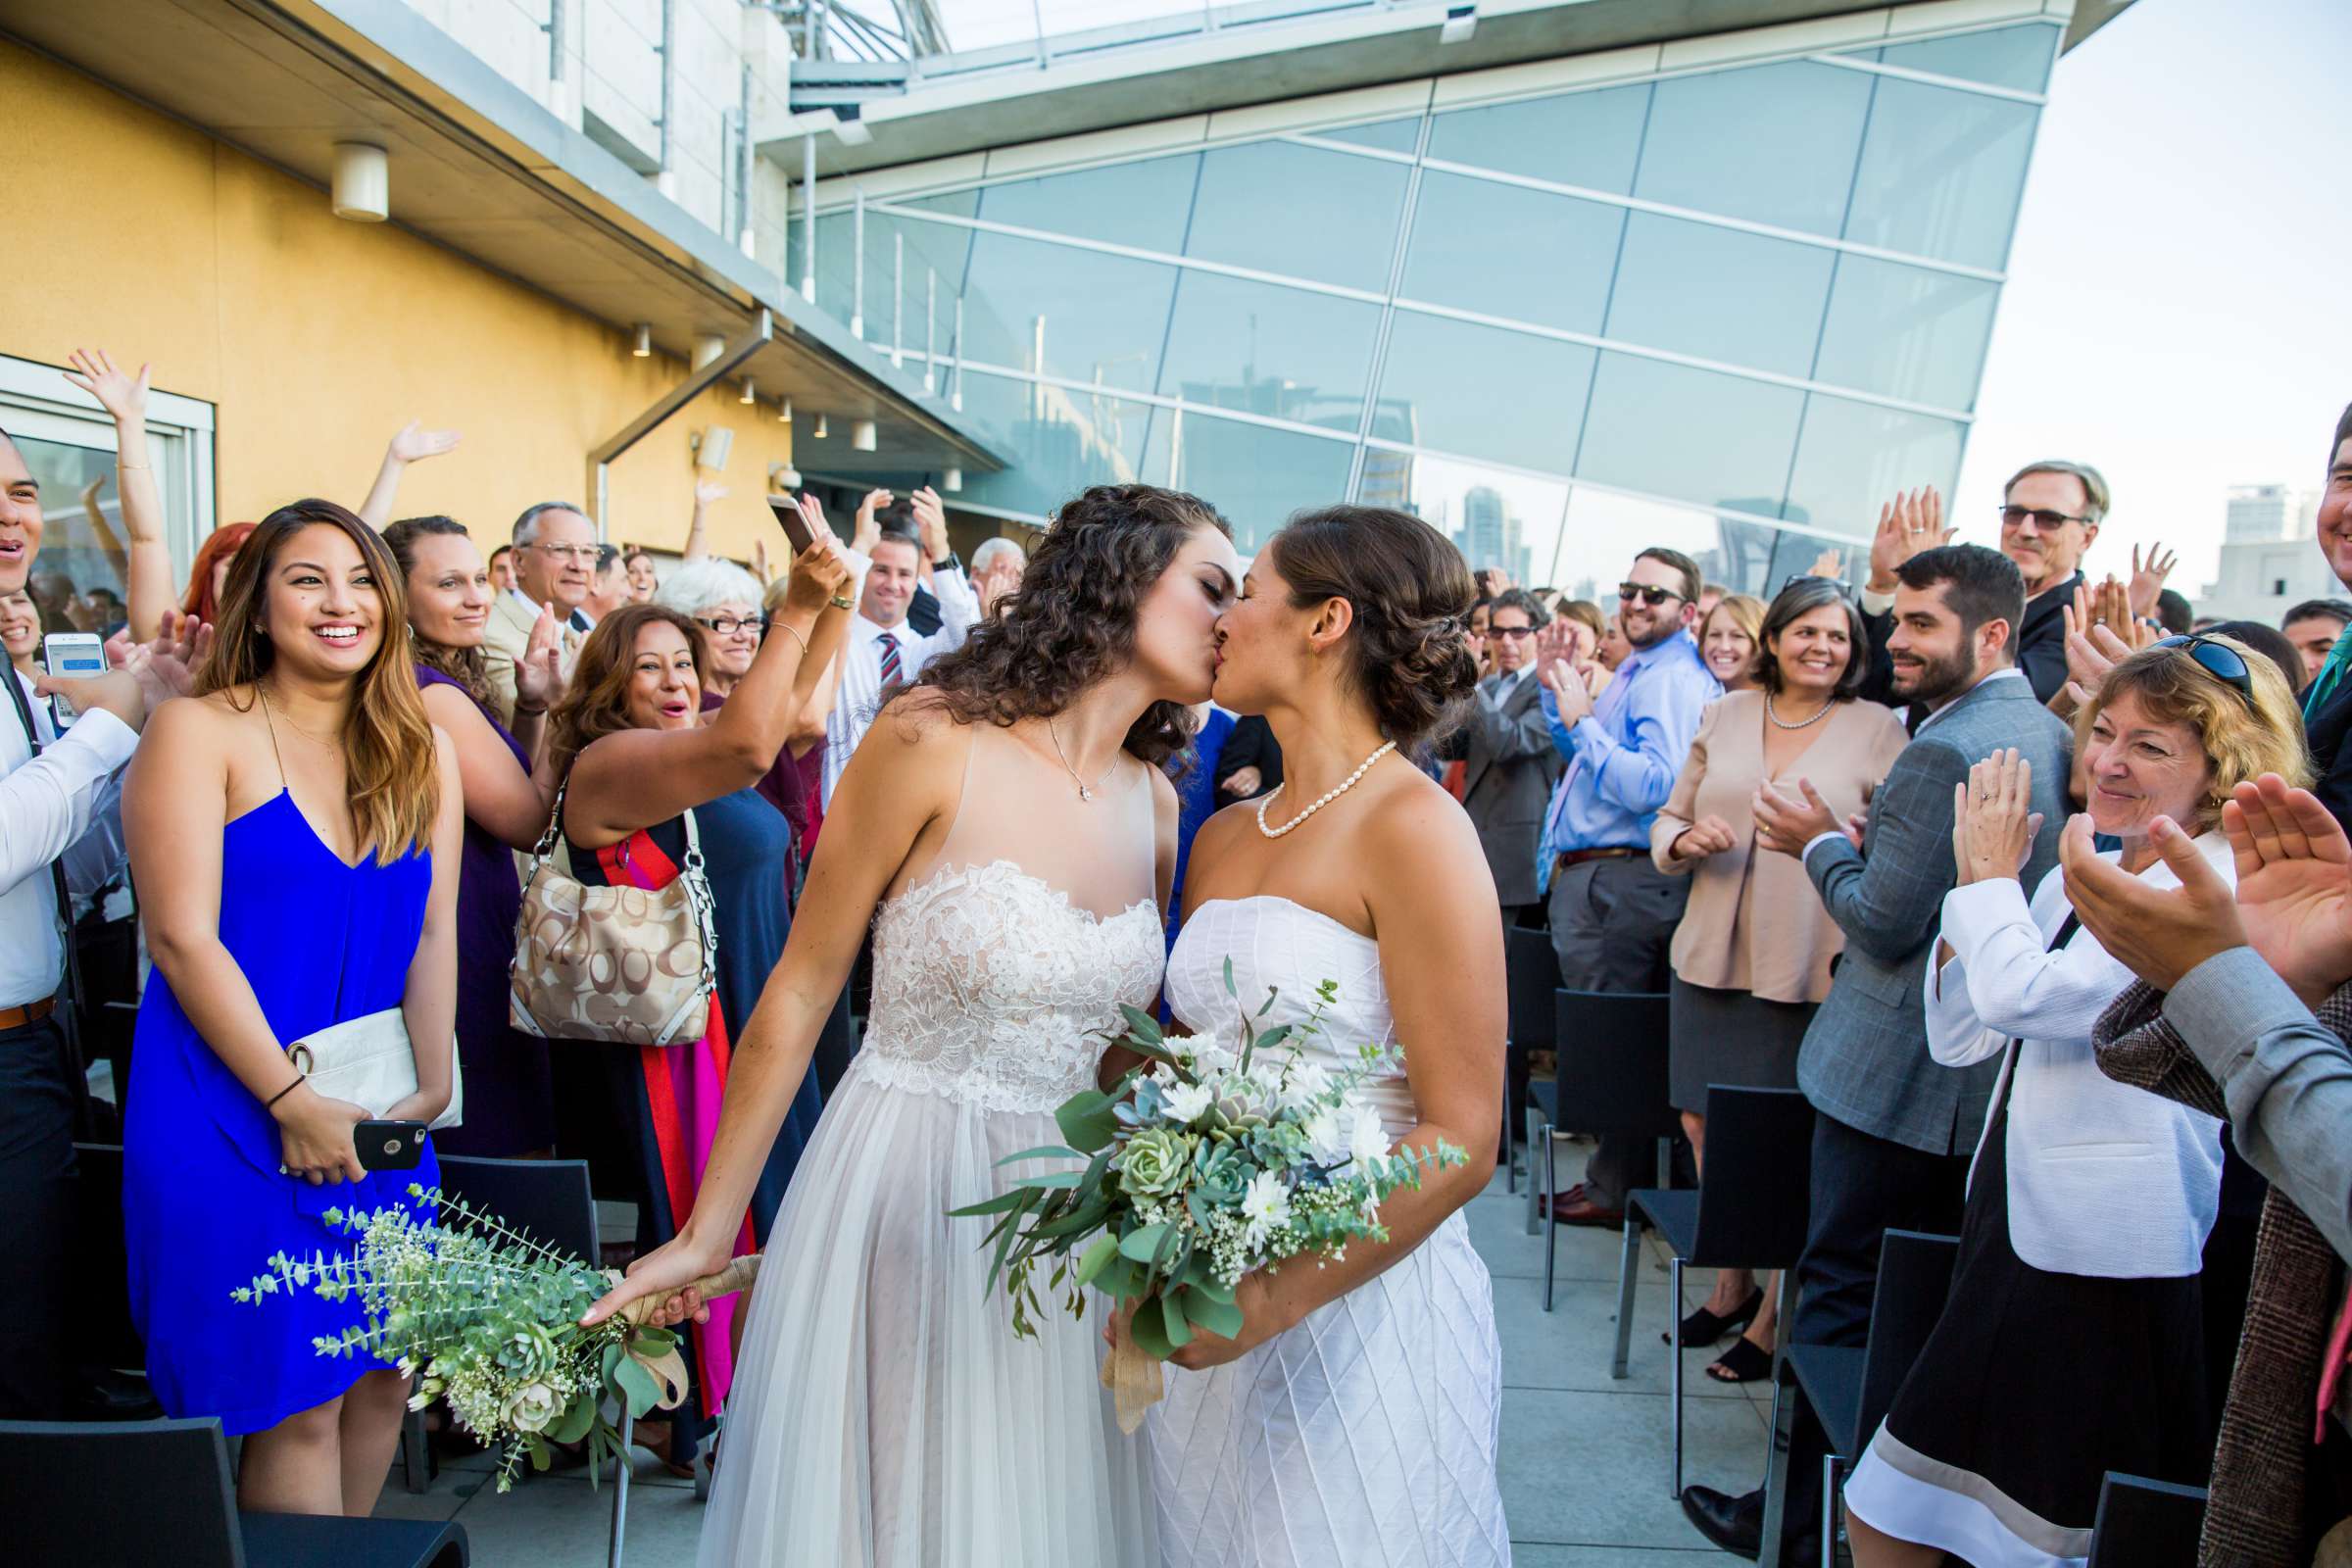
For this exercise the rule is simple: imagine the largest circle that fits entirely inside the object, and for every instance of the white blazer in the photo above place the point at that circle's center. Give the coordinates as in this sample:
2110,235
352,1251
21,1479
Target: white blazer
2104,1180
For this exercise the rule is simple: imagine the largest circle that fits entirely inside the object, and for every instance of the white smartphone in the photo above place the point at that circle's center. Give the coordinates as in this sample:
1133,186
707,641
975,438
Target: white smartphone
73,653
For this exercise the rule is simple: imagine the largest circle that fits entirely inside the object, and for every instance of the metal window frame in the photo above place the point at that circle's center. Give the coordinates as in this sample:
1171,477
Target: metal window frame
184,427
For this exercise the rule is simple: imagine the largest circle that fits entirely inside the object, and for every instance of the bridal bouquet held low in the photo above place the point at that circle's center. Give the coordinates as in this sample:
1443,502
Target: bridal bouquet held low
1216,1160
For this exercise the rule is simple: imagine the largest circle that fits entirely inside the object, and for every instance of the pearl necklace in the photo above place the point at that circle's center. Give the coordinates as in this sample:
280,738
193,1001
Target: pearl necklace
1801,723
1346,784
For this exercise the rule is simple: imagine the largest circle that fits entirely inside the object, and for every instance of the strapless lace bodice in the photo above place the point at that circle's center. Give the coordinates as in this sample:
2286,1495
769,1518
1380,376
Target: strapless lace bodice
1274,943
991,986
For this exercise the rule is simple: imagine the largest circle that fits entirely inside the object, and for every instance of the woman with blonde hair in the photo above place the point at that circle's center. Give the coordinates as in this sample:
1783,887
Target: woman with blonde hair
294,830
2071,1344
1731,639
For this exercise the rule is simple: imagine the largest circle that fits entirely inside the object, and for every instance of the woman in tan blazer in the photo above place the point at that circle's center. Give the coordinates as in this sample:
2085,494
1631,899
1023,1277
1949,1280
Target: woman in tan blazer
1752,958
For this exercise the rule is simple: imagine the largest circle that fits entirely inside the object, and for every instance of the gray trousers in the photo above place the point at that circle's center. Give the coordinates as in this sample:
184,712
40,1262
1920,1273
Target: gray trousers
1612,924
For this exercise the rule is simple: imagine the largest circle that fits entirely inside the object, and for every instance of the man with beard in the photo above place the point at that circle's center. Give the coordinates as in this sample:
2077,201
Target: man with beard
1893,1129
1613,912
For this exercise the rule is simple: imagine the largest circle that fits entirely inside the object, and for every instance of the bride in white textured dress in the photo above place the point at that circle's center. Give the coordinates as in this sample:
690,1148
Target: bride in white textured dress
1008,832
1354,1418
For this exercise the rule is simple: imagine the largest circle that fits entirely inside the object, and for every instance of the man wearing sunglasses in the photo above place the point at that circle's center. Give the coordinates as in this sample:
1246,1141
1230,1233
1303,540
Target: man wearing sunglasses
1504,744
1613,912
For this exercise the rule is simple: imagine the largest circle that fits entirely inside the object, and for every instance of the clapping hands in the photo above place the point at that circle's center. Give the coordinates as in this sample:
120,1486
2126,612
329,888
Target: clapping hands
1993,825
538,673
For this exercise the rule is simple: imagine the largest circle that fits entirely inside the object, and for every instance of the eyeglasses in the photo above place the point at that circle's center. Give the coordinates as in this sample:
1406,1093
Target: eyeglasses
729,626
2217,659
1514,633
1648,593
2043,518
577,554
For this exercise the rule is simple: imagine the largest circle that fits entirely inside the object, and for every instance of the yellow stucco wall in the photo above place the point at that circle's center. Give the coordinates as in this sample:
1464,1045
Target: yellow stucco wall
315,338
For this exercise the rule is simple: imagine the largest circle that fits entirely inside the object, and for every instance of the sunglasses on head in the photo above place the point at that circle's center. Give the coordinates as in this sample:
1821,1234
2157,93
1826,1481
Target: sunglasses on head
1648,593
2219,660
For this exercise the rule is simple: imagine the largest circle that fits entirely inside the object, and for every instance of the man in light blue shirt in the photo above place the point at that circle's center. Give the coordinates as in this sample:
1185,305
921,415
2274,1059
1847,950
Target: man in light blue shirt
1613,912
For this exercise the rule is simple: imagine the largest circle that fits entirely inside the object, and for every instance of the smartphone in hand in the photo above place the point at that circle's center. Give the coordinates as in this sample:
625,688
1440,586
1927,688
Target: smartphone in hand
80,654
389,1145
788,515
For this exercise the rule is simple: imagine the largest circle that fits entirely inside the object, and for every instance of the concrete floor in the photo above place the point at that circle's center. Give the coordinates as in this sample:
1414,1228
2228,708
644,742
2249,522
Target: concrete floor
1584,1458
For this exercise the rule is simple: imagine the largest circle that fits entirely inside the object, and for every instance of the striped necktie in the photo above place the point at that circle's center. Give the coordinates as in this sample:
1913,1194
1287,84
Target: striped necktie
890,669
2330,677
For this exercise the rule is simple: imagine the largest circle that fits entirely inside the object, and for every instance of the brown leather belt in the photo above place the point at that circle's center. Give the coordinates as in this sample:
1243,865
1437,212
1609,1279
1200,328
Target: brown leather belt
1569,858
30,1012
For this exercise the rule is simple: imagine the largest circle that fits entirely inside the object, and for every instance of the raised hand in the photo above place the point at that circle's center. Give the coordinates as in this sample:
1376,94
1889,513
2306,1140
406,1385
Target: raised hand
2147,577
123,395
2159,934
166,667
707,491
819,573
1829,563
413,443
1709,835
539,673
1994,823
760,562
865,528
2294,883
931,518
1911,522
1569,691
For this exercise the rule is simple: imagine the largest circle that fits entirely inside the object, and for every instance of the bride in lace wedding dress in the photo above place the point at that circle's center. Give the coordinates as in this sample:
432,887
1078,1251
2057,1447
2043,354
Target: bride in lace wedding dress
1355,1419
1008,834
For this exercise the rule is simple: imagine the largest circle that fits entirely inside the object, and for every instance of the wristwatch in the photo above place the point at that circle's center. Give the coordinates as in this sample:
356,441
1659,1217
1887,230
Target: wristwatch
953,563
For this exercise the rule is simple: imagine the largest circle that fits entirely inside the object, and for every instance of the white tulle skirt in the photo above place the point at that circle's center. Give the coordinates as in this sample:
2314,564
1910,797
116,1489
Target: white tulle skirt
883,1414
1366,1436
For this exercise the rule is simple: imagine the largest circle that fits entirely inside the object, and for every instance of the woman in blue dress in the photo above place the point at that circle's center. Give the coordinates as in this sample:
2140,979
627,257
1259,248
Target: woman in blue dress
294,831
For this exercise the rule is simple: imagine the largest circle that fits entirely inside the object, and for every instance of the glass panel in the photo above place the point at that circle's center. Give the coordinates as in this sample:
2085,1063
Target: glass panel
1502,250
1772,144
1604,531
1853,456
1691,435
1389,136
1720,294
1942,172
1270,350
1256,476
1098,318
1059,441
75,581
1482,392
1578,138
1144,204
2006,57
942,247
1906,333
1494,518
1283,207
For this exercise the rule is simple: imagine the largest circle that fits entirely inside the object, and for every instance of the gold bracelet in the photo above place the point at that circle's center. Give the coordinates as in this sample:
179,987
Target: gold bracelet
787,626
844,602
120,464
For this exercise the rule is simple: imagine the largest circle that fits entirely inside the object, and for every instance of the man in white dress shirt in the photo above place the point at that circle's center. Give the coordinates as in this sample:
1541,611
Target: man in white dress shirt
884,653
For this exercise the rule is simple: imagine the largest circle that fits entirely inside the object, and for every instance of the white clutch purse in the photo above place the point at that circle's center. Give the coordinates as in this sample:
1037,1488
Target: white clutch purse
369,1061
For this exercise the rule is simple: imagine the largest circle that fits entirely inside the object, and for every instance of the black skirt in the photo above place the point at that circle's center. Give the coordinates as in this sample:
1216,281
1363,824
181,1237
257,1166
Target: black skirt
1730,1037
2033,1387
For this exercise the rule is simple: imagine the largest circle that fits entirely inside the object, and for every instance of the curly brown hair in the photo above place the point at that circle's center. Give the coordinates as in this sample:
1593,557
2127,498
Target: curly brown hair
596,702
1072,619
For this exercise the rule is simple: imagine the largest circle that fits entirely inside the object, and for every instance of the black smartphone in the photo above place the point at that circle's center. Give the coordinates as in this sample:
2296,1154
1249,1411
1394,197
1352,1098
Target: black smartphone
389,1145
788,516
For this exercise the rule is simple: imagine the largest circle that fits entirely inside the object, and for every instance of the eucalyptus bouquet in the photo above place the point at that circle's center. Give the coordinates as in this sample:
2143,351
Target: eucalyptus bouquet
1217,1159
490,1320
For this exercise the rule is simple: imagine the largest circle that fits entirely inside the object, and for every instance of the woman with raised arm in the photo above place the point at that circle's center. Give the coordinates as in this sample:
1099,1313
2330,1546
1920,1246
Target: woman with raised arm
509,1103
1008,833
1355,1416
294,829
146,562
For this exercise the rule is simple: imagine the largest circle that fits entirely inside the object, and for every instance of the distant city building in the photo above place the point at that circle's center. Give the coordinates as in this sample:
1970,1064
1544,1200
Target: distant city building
2270,561
2269,511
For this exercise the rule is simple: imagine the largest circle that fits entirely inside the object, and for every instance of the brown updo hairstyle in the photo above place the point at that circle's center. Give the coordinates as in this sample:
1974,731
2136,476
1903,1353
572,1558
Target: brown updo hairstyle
1071,620
1408,652
596,703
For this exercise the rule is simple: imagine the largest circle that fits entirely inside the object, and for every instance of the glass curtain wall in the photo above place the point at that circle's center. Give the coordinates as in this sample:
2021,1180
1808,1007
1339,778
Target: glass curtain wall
1727,309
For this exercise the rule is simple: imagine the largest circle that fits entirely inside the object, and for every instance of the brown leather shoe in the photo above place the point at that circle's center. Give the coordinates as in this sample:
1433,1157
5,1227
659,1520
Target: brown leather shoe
1575,1207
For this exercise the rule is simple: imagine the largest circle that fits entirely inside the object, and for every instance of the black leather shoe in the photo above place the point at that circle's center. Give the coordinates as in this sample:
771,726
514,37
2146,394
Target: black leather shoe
1735,1524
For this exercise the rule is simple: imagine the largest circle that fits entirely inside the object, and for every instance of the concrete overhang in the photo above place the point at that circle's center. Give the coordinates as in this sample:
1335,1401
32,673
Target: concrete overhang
482,168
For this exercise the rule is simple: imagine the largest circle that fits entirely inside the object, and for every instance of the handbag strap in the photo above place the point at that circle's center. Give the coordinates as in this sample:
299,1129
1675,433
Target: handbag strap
692,871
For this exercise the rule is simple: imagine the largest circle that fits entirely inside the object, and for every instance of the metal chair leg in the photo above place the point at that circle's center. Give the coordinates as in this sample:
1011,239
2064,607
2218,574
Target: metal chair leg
1776,1463
416,1453
1628,1263
1550,1219
620,1489
1538,1137
1828,1511
1674,1368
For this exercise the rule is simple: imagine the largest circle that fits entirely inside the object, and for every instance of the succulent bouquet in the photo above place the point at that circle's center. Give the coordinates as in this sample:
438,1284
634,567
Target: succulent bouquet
1214,1161
490,1320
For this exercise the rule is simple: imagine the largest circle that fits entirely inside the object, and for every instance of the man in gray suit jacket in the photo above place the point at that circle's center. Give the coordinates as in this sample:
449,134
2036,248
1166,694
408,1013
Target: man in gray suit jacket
1893,1129
1509,766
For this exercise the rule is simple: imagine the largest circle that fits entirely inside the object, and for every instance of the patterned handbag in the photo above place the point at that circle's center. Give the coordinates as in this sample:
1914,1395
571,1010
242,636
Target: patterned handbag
624,964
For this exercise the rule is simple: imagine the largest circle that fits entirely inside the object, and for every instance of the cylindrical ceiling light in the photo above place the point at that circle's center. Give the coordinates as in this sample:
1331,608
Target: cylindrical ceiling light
362,188
783,476
820,432
953,479
784,413
644,346
750,393
861,434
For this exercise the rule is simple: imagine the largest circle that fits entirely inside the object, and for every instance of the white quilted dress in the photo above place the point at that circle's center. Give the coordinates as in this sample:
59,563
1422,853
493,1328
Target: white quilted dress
1367,1435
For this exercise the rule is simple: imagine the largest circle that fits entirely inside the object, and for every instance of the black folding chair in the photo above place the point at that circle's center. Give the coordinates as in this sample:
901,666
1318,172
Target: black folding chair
2146,1524
1611,1049
1749,1212
1530,975
135,1494
104,1338
1852,1390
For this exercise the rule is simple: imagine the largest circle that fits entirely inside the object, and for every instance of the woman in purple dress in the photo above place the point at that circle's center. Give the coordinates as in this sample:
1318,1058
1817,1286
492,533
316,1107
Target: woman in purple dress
510,1106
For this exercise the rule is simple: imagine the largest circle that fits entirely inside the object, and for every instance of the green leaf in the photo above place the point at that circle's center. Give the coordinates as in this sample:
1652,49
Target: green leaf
1222,1318
1231,988
1047,1180
1171,1311
1080,1220
1274,1037
1141,1024
637,1386
541,1456
1003,1201
1271,993
1093,1259
1216,1291
1086,1120
1143,1242
1044,1151
1148,1330
578,1416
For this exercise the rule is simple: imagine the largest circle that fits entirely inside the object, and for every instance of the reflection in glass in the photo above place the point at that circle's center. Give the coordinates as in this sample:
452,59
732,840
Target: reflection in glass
1942,172
1720,294
77,585
1906,333
1577,139
2005,57
1059,441
1853,456
1303,212
942,247
1482,392
1141,203
1080,315
1606,532
1389,136
1493,517
1502,250
1772,144
1270,350
1254,476
1693,435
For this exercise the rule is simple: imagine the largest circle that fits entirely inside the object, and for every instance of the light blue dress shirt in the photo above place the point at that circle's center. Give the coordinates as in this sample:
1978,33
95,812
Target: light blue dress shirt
1624,756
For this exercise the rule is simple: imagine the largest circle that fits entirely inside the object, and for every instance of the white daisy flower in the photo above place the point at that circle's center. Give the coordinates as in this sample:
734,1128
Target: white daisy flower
1185,1101
1367,1139
1326,1137
1267,1205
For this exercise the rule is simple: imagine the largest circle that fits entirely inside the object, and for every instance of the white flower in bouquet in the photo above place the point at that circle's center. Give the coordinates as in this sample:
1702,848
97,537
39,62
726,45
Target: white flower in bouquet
1185,1102
1266,1206
1205,1053
1368,1141
1307,1080
534,1407
1326,1137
